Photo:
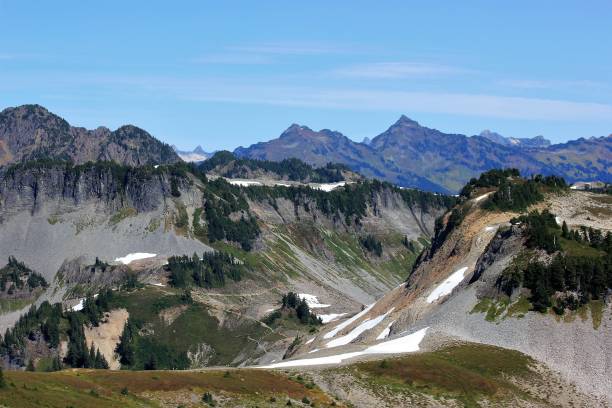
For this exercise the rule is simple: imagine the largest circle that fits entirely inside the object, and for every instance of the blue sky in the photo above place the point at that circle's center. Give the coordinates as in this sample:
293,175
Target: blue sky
229,73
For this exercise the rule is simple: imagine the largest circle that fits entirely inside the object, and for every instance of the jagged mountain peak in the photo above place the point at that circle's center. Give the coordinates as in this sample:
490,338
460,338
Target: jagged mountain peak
31,132
406,122
296,127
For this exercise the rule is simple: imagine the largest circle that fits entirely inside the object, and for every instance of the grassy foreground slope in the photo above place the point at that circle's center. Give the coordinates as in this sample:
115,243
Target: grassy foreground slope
469,375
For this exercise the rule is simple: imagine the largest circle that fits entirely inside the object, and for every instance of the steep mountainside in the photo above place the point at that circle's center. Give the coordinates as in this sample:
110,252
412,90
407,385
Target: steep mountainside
500,275
412,155
31,132
325,146
147,232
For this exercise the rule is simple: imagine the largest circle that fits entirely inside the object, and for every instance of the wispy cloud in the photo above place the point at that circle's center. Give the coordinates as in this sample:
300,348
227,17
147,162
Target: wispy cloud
292,48
479,105
397,70
234,59
266,53
548,84
223,89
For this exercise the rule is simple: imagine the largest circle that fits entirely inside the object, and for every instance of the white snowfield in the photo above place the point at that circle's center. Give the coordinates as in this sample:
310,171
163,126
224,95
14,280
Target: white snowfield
243,183
326,318
405,344
134,257
312,301
558,220
447,286
348,322
385,333
327,186
356,332
490,228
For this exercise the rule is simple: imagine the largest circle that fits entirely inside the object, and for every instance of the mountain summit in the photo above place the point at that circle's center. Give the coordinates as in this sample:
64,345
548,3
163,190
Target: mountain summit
31,132
413,155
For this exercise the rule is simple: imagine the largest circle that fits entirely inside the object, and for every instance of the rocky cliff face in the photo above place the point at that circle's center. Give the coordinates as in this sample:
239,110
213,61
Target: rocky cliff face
50,213
31,132
29,187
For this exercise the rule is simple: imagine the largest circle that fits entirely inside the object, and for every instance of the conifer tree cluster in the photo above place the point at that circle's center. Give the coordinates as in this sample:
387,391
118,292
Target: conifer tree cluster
371,244
209,272
16,275
580,269
293,305
46,322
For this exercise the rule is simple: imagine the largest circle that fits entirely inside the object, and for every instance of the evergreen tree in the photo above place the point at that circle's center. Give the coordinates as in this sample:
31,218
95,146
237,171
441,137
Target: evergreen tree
564,230
125,348
303,311
77,355
99,361
91,359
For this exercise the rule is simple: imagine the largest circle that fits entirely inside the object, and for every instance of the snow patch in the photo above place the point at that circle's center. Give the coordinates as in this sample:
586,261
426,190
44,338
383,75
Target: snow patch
310,341
347,322
327,186
558,220
244,183
353,334
385,333
126,260
161,285
447,286
79,306
312,300
490,228
326,318
405,344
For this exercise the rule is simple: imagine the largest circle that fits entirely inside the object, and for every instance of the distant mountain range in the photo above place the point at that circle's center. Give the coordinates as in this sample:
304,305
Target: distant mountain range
31,132
538,141
406,154
412,155
195,156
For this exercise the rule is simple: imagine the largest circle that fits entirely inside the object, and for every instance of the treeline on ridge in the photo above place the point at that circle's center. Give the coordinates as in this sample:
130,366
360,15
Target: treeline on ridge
513,193
290,169
17,276
579,271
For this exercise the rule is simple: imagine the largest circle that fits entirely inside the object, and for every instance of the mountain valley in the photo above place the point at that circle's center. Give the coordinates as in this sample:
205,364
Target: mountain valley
134,278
